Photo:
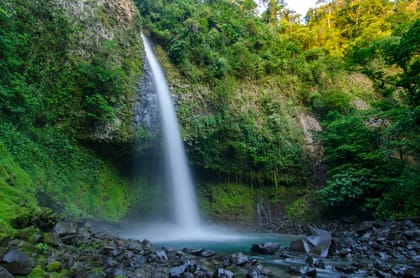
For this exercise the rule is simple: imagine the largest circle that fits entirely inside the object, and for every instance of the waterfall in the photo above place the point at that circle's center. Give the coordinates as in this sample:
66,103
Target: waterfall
185,209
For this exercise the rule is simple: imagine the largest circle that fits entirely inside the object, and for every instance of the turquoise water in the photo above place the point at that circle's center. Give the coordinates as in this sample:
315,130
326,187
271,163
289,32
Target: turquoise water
228,246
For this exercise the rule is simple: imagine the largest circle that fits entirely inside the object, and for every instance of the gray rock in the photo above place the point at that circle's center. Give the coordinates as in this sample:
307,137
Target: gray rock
17,262
161,254
65,228
222,273
208,253
297,246
259,272
267,248
4,273
302,271
318,243
178,271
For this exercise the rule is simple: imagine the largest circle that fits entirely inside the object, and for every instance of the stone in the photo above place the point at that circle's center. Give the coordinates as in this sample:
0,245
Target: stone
297,246
65,228
259,272
304,271
223,273
161,254
17,262
318,243
178,271
208,253
267,248
4,273
197,252
311,261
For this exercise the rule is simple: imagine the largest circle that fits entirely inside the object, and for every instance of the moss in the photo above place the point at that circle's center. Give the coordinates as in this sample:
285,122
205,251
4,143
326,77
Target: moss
17,202
37,272
54,267
228,200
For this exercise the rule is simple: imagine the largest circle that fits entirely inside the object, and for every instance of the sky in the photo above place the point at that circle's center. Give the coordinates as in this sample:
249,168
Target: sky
300,6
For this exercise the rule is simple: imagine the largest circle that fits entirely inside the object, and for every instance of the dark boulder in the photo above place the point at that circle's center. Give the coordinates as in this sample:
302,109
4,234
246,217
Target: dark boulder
197,252
4,273
318,243
297,246
17,262
267,248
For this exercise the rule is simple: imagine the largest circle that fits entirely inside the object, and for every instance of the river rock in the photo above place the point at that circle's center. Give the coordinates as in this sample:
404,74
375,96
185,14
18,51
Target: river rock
196,252
311,261
222,273
318,243
65,228
267,248
4,273
178,271
208,253
239,259
302,271
161,254
17,262
297,246
259,272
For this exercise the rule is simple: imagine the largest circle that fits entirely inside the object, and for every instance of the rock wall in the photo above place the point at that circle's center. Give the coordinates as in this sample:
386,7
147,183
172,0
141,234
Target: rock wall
96,23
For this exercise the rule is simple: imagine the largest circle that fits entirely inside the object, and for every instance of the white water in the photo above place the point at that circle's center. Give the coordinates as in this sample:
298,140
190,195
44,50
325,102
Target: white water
185,209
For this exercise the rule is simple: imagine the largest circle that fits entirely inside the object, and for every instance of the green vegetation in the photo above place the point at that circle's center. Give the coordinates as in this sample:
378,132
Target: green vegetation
65,75
243,80
228,202
242,83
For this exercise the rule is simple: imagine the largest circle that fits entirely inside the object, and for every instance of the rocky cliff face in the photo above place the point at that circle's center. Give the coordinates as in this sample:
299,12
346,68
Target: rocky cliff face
110,29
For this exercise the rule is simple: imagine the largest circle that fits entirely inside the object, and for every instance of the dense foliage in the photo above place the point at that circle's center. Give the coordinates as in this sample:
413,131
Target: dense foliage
353,64
58,84
242,82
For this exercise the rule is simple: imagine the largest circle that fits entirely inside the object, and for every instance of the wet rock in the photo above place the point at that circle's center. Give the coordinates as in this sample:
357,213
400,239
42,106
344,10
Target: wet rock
311,261
239,259
302,271
267,248
180,257
297,246
208,253
178,271
17,262
4,273
346,269
382,274
259,272
318,243
223,273
65,228
197,252
161,254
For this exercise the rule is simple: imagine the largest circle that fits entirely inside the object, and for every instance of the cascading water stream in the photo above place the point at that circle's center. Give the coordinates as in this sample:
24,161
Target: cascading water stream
185,207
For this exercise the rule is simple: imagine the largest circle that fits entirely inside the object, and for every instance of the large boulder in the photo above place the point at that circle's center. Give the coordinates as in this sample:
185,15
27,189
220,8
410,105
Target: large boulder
4,273
17,262
318,243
